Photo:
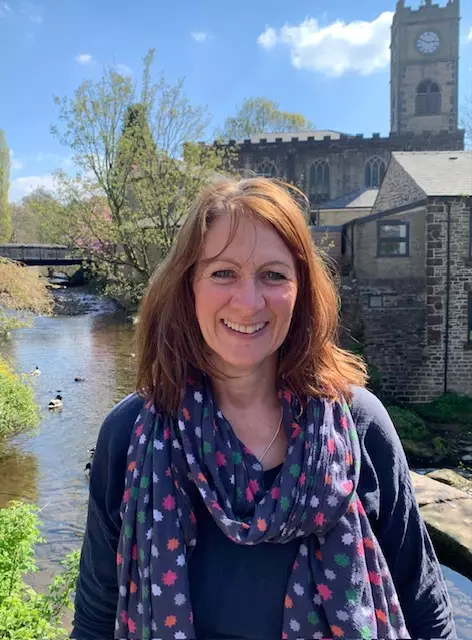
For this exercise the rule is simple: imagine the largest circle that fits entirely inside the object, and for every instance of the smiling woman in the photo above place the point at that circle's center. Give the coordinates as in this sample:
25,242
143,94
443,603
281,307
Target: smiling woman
266,494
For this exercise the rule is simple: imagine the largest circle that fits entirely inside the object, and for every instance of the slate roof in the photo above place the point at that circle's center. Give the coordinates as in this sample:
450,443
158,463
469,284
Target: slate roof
360,199
439,173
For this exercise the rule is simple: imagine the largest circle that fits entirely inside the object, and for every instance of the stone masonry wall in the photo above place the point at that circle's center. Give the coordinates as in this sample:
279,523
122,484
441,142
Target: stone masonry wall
406,339
459,376
398,188
395,335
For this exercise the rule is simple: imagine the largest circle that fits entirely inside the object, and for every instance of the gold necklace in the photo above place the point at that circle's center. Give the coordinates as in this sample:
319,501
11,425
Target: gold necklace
273,438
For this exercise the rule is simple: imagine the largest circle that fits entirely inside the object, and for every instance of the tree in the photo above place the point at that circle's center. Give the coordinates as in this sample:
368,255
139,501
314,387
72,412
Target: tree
260,115
32,220
5,213
139,168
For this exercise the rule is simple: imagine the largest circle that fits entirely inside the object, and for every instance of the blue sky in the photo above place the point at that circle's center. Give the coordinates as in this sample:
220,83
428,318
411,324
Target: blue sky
226,51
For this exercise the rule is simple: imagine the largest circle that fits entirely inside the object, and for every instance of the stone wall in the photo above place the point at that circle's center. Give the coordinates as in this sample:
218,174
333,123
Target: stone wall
394,336
346,156
368,264
397,189
405,338
459,368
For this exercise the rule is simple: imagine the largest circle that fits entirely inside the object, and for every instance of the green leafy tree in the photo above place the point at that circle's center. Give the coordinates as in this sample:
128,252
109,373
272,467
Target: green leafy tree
24,613
33,219
139,168
5,213
260,115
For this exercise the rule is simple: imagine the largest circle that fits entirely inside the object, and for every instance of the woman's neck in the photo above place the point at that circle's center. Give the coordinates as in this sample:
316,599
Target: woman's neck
248,389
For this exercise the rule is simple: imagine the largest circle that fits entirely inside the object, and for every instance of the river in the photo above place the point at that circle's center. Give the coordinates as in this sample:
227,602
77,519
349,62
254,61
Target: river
48,467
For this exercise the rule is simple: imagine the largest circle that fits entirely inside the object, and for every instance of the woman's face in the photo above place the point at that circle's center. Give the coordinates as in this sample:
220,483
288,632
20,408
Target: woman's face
244,298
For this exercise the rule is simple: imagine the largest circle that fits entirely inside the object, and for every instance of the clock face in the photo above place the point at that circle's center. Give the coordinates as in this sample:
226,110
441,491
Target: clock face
428,42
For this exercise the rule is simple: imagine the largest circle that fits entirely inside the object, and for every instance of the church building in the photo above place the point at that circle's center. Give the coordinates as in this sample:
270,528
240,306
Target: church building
330,165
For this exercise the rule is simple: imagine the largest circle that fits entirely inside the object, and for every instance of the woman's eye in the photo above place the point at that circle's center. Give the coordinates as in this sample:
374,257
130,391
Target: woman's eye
274,275
222,274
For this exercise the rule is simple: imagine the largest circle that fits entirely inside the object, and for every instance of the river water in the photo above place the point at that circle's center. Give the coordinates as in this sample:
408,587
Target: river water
48,468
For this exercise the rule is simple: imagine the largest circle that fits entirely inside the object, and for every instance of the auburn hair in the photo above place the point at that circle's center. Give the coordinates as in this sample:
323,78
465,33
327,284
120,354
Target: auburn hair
169,340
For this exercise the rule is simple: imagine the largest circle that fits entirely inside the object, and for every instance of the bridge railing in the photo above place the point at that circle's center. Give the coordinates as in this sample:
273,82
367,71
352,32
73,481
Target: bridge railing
29,252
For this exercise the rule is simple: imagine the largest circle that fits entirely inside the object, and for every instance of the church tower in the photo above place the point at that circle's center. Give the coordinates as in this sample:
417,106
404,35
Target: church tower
424,68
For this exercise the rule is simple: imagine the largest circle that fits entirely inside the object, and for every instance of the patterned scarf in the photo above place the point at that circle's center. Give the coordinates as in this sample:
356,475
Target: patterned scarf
340,585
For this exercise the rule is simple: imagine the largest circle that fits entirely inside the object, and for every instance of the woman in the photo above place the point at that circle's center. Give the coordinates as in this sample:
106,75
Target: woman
266,493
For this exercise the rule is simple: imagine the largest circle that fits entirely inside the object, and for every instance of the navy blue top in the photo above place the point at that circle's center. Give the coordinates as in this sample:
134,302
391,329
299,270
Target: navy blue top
238,591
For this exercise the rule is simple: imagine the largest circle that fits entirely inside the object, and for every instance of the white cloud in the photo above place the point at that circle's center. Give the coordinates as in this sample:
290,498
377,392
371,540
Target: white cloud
336,49
30,12
21,187
469,37
199,36
123,69
14,162
268,39
5,9
84,58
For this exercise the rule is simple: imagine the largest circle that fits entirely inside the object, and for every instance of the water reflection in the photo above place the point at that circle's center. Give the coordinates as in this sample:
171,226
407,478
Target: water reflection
18,476
48,468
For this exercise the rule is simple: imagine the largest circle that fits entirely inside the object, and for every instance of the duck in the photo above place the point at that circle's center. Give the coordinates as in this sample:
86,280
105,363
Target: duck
55,403
36,371
79,379
88,466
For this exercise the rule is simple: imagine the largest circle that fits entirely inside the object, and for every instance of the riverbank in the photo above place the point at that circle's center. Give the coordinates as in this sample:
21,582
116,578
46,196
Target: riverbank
447,512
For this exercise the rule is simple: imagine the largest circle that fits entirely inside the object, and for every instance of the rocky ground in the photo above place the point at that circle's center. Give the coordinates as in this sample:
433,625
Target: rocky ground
78,301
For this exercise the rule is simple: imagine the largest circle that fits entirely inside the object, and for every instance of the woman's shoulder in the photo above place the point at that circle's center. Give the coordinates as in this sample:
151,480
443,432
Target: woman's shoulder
370,415
377,433
116,429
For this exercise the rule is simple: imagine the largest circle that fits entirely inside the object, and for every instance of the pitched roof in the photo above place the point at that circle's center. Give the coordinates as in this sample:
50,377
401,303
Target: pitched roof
360,199
439,173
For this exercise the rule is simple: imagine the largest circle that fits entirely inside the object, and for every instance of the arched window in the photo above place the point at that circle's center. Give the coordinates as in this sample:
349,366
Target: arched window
266,169
374,172
428,99
319,181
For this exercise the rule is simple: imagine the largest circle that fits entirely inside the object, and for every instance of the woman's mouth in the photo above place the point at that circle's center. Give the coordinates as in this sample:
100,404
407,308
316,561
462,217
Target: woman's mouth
245,329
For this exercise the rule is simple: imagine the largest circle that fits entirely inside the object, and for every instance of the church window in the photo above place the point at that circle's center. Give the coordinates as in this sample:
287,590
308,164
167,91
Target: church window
319,181
374,172
266,169
428,99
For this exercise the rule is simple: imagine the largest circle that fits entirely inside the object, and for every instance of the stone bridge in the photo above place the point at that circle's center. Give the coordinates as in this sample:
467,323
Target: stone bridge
35,255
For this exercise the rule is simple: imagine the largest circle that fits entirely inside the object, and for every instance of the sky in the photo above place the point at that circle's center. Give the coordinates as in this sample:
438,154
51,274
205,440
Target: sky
325,59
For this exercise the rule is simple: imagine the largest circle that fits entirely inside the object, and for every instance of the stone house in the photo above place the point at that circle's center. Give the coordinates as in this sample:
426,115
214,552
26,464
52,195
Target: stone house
407,285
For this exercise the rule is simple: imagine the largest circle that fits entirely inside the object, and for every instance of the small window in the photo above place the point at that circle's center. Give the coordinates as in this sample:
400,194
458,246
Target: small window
376,302
393,239
374,173
469,319
428,99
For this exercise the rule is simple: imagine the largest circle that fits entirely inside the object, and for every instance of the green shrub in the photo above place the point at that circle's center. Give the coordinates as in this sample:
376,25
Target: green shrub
407,423
18,408
448,408
25,614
